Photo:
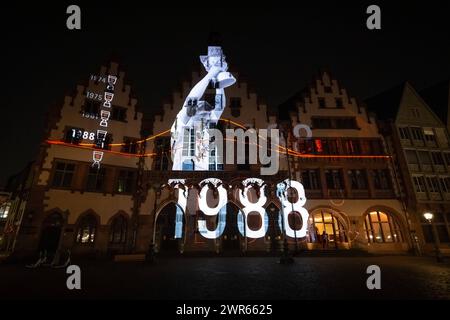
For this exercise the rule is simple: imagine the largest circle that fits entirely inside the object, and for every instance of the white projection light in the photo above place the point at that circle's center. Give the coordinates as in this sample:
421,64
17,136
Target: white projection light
190,138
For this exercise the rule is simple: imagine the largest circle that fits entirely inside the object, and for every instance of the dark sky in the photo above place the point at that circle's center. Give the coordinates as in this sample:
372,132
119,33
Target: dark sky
278,49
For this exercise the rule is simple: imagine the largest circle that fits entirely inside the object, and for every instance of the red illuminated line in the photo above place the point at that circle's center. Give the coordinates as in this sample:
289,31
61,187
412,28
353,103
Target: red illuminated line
280,148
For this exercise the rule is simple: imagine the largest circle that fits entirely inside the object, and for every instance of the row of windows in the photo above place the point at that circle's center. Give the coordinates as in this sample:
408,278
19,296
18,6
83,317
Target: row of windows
339,146
379,227
334,123
87,230
418,134
427,157
434,184
357,179
64,174
338,102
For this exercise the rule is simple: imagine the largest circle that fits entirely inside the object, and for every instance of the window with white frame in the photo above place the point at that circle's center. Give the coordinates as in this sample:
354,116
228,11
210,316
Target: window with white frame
189,142
432,183
419,184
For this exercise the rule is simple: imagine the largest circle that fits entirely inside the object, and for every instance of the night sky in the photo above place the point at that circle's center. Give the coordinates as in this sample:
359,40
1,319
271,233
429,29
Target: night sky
277,49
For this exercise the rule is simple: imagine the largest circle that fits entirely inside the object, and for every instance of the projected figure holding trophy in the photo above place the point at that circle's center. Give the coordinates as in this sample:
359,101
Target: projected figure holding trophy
190,130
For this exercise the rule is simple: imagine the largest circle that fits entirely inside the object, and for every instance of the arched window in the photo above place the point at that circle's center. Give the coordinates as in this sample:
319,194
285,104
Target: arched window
381,227
118,231
86,229
328,222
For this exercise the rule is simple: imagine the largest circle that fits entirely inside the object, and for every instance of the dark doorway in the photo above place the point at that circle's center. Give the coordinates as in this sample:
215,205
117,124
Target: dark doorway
165,230
51,234
231,238
274,232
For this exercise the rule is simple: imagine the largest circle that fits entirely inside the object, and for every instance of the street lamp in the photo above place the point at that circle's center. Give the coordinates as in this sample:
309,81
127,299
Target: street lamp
429,217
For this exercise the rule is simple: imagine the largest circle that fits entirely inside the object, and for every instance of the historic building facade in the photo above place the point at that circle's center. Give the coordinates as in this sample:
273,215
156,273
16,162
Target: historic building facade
346,171
419,142
68,203
131,204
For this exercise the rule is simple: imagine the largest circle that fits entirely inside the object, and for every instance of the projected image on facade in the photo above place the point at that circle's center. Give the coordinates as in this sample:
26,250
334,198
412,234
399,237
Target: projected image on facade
190,131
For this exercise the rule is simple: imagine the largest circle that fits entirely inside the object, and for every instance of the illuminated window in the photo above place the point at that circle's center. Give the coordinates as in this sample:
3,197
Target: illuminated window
358,179
215,154
96,179
328,222
63,174
381,228
189,142
318,145
125,181
119,113
188,165
4,210
118,231
87,229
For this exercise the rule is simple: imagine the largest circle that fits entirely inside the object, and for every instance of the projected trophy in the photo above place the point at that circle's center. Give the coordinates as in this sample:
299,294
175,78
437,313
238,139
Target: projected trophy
190,131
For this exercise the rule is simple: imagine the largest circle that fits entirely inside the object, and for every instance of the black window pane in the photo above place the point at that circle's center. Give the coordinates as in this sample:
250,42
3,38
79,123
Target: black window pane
57,179
67,181
427,233
442,233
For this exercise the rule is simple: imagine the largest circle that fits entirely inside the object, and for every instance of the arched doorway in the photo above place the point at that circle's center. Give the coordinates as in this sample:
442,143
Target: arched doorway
274,232
327,229
169,229
231,237
51,234
118,234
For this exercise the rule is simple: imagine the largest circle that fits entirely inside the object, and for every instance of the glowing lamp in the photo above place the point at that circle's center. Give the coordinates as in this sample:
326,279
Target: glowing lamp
428,216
